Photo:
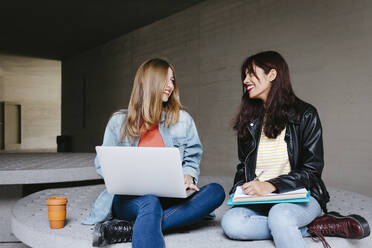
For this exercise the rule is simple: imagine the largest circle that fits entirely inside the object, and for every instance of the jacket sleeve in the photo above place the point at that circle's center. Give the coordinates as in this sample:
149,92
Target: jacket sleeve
239,178
193,152
311,160
110,138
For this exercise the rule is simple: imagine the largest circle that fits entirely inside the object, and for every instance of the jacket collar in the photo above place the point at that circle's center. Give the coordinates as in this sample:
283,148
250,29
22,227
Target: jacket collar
164,132
255,128
162,119
293,118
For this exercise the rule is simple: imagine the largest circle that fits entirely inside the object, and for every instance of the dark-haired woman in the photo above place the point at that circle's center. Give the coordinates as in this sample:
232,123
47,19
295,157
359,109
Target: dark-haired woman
281,135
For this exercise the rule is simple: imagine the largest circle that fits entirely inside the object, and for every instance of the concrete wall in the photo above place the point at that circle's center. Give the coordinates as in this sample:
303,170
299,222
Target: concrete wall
36,85
326,43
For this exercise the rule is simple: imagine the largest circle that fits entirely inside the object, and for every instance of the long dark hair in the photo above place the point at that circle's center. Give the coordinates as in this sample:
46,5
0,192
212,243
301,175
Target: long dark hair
280,98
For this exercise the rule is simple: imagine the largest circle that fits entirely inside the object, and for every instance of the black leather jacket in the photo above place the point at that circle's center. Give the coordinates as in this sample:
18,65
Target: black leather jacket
305,152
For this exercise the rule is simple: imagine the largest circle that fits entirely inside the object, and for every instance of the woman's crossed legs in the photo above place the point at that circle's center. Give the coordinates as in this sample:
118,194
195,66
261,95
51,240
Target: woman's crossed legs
151,219
285,223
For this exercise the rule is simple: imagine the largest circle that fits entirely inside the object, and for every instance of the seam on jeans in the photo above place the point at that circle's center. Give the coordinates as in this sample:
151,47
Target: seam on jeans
258,218
173,211
136,203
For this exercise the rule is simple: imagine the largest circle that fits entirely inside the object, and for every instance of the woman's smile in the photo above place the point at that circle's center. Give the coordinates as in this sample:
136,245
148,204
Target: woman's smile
169,86
167,92
259,83
250,87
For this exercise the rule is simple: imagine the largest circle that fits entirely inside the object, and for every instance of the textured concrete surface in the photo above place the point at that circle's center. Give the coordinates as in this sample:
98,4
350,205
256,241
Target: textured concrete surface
13,245
17,169
30,221
9,195
27,168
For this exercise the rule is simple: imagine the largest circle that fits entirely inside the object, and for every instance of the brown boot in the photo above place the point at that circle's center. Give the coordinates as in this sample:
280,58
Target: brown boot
334,224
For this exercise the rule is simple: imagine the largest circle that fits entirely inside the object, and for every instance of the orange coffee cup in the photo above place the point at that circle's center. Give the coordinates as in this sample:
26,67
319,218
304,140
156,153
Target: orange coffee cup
57,211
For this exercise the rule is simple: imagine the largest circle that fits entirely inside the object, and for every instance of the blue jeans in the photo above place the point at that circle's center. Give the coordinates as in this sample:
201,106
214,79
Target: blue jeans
153,215
285,223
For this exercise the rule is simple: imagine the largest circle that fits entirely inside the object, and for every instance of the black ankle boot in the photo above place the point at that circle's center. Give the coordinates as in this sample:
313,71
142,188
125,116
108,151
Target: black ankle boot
111,232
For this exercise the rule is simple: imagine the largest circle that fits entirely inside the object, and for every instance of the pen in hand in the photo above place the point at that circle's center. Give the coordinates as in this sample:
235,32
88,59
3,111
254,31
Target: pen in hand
258,176
256,187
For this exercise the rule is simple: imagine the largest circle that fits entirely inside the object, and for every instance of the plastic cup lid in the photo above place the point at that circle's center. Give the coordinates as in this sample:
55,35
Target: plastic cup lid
56,200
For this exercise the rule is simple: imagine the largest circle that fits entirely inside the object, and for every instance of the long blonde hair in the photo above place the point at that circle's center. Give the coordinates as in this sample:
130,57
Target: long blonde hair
146,105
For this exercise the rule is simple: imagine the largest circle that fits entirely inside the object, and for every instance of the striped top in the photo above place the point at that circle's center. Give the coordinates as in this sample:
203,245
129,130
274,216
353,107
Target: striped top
272,156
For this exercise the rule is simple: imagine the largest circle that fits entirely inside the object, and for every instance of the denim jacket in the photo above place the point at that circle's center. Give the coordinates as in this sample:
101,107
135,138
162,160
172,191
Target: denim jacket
182,135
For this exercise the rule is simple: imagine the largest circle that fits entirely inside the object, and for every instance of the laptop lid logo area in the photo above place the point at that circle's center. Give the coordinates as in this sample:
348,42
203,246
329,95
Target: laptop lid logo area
142,170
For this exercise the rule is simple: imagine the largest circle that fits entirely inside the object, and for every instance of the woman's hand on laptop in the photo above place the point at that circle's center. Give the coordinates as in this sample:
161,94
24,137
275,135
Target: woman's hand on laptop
189,183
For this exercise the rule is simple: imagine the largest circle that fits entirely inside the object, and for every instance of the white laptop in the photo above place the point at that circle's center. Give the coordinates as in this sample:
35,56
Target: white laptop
142,170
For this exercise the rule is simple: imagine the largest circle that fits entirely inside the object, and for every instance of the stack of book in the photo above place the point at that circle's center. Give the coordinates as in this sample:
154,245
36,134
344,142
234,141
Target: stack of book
241,198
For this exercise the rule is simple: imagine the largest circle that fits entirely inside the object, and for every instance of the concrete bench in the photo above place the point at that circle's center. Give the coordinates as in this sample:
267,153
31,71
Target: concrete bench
30,221
21,172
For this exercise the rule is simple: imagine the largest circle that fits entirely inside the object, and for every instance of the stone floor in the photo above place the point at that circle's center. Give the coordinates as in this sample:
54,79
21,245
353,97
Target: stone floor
29,221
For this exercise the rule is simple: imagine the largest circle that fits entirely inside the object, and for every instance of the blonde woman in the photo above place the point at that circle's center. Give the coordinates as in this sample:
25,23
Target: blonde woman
155,118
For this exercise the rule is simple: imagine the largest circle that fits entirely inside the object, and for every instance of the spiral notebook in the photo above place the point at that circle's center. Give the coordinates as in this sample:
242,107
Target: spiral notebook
240,198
